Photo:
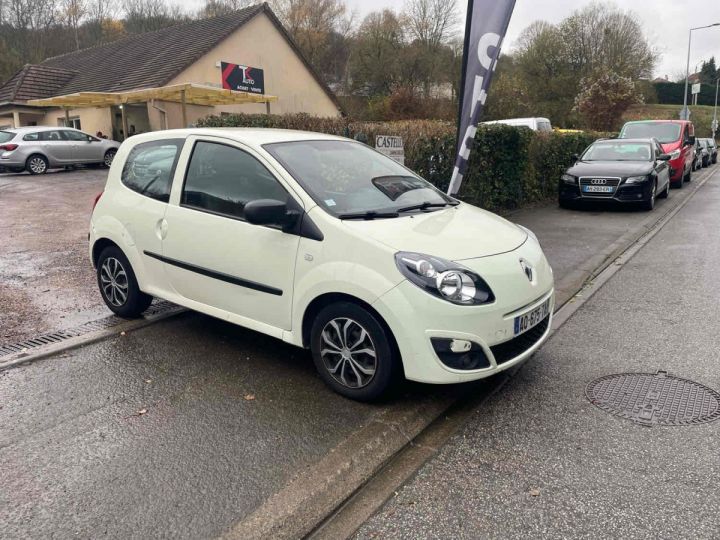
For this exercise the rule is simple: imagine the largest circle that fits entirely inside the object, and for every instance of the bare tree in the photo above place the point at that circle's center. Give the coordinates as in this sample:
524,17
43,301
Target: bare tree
375,57
74,11
214,8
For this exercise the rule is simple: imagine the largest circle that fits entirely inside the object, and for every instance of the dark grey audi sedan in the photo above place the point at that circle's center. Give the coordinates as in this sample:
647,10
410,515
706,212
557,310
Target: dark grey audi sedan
617,170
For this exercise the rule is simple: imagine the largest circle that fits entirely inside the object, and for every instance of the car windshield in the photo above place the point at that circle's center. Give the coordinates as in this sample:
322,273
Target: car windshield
6,136
346,177
665,133
618,151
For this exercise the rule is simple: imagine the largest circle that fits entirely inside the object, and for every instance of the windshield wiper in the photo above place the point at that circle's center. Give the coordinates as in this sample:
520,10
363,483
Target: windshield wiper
371,214
427,204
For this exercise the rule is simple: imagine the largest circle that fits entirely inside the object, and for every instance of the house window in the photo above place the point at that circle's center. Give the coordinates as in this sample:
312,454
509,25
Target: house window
74,122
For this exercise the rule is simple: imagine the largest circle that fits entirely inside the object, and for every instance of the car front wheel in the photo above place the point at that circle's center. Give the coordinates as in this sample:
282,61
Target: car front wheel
650,203
118,284
109,157
353,352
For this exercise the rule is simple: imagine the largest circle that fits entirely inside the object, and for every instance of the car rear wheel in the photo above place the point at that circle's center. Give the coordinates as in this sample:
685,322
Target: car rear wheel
109,157
36,164
118,285
353,352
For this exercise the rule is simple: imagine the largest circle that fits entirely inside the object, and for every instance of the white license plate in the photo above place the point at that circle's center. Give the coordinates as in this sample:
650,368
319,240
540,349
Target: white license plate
526,321
598,189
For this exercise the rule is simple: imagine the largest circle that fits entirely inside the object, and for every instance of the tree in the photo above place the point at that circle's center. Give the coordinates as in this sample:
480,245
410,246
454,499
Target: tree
709,72
73,12
603,99
214,8
148,15
375,58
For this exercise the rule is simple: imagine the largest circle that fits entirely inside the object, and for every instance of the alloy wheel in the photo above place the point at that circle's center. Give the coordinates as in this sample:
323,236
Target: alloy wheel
348,352
38,165
114,281
109,157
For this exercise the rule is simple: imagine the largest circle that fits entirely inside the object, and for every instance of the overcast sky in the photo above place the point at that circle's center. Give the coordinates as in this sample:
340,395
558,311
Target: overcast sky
666,23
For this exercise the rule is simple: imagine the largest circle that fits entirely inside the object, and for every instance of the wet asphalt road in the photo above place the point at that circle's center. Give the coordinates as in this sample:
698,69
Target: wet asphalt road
89,447
537,460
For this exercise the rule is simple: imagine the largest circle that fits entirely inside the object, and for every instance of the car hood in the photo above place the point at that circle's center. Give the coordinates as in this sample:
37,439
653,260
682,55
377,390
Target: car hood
462,232
610,168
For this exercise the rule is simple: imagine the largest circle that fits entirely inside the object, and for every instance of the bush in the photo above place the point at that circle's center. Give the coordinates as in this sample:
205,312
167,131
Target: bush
508,167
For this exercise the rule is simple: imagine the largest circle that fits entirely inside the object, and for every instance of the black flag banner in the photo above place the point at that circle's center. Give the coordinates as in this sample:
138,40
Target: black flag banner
487,22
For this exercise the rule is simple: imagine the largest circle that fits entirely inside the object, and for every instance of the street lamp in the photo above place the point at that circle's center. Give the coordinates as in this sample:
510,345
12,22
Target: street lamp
685,113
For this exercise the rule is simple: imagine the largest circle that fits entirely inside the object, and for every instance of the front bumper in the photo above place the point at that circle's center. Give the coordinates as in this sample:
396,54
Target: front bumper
624,193
416,318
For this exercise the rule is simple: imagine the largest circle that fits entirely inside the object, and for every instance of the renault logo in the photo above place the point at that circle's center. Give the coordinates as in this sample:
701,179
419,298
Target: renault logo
528,269
598,181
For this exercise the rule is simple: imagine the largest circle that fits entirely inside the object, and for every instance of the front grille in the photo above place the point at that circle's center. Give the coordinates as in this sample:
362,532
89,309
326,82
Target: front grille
518,345
592,181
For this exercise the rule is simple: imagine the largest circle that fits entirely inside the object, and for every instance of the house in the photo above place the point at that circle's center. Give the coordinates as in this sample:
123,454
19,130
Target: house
244,61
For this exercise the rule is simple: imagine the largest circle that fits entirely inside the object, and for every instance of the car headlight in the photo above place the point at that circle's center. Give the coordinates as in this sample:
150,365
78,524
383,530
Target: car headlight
444,279
675,154
635,179
569,179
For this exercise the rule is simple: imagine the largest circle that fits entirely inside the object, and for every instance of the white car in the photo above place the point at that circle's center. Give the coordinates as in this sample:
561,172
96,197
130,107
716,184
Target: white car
536,124
326,244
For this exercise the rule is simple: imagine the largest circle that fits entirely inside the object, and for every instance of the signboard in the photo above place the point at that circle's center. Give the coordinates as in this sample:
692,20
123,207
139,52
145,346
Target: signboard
391,146
695,89
242,78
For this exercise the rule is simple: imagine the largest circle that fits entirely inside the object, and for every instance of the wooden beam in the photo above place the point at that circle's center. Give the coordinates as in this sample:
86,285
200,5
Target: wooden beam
124,121
67,117
184,109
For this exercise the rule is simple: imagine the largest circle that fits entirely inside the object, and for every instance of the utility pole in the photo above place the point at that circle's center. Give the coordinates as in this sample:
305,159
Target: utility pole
685,113
715,118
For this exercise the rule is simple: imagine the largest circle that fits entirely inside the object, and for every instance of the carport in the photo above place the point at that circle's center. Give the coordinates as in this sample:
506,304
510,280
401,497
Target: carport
184,94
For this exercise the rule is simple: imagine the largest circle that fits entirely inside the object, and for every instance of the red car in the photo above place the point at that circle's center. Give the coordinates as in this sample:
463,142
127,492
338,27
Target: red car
677,138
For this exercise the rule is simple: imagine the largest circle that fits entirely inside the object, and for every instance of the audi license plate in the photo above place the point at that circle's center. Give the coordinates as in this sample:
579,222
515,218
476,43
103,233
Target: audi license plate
598,189
526,321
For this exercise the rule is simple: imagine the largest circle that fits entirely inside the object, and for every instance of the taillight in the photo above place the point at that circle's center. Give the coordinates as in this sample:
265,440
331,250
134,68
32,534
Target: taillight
8,147
97,199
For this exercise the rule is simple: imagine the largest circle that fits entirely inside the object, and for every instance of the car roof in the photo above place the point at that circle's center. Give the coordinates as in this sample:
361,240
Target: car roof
25,129
249,136
647,140
659,122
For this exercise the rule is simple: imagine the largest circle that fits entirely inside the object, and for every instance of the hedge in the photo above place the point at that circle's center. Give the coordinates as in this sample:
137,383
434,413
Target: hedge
670,93
508,167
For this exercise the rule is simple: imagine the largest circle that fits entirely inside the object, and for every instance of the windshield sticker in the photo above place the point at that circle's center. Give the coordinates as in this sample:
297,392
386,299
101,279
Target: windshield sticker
330,202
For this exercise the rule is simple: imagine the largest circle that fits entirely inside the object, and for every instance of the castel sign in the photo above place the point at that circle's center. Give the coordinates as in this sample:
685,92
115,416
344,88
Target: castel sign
242,78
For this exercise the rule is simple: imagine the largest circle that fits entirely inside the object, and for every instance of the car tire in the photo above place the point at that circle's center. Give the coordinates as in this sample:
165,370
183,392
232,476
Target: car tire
566,205
666,192
353,352
649,205
109,157
37,164
118,284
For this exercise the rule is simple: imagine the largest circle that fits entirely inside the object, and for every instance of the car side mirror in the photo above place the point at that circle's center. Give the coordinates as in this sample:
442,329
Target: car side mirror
691,139
269,212
664,157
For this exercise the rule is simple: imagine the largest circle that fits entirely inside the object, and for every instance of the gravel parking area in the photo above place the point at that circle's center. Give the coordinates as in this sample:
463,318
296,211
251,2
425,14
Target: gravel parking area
46,280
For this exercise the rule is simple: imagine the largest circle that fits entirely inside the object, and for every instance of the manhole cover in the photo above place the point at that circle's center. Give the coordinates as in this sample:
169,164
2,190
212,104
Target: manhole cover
659,398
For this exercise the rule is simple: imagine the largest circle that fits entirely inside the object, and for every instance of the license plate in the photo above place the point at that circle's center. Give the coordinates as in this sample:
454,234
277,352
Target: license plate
526,321
598,189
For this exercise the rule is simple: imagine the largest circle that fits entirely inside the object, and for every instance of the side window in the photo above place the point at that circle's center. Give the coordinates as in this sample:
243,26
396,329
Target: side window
31,137
150,167
74,135
223,179
53,135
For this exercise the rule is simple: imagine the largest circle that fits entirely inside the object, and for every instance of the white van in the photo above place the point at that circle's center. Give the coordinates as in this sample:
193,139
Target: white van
536,124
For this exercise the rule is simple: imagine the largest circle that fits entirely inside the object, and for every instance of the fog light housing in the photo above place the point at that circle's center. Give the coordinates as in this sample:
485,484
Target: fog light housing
460,354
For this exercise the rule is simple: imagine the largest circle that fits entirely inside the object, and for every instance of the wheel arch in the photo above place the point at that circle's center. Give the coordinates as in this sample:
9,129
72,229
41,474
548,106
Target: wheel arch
98,247
326,299
42,155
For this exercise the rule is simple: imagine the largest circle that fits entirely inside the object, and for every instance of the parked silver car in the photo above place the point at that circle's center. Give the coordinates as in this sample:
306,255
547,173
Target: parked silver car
37,149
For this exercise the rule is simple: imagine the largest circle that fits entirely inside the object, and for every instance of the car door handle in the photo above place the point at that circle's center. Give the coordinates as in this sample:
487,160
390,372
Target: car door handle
161,228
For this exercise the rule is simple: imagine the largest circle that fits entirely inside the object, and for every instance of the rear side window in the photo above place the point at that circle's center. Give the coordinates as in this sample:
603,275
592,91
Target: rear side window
74,135
150,167
31,137
6,136
222,179
53,135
